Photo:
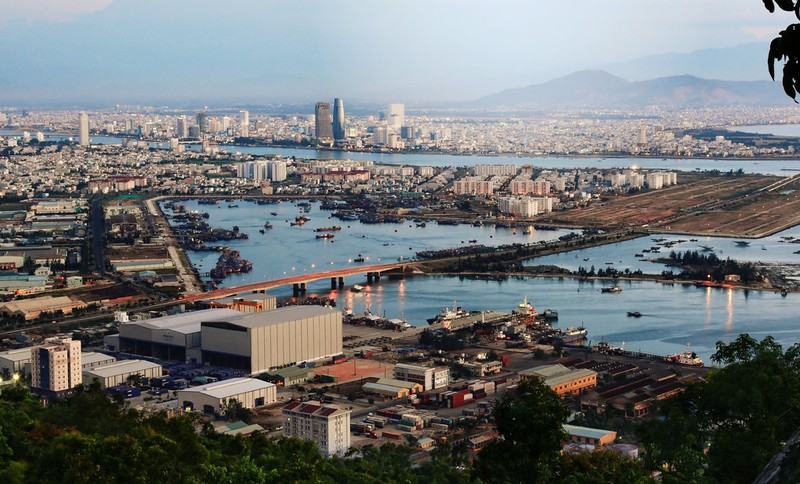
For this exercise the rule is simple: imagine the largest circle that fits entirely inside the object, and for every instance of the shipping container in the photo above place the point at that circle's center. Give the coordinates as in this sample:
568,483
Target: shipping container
392,435
440,426
406,428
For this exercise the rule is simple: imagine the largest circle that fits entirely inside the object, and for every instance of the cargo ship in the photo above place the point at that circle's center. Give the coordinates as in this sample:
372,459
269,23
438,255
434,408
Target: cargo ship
571,335
447,315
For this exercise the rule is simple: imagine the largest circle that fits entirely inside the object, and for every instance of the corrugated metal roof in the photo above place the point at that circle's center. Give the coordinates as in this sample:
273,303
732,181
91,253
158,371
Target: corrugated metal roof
281,315
230,388
185,323
120,367
587,432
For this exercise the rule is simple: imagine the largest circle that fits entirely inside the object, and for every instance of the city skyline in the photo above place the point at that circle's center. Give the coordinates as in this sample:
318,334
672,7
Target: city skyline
102,51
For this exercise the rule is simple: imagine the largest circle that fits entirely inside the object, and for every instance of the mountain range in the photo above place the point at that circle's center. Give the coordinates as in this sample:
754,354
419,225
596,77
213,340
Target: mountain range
600,89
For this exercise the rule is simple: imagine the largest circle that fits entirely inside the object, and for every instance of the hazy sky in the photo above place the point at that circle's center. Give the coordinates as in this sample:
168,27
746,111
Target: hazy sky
123,51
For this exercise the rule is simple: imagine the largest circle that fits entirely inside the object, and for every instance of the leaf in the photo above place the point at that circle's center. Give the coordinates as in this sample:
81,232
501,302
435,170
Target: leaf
770,6
786,5
788,83
774,54
797,10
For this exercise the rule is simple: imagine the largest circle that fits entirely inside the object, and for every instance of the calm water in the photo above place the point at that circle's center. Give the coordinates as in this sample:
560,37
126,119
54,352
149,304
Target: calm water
673,315
622,255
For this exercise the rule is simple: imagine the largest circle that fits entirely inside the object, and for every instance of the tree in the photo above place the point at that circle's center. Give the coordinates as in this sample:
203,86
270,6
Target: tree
729,426
786,46
531,426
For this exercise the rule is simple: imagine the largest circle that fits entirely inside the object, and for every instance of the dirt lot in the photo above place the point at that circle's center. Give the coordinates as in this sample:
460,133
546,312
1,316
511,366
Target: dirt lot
132,253
701,204
355,369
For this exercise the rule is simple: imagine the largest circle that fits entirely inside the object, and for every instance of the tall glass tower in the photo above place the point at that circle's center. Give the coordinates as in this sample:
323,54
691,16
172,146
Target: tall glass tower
322,114
338,119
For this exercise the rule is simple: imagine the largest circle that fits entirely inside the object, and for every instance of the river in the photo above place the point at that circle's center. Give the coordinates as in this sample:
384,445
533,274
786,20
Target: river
673,315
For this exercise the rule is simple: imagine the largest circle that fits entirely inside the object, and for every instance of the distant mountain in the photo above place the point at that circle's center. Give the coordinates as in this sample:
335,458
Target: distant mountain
745,62
598,88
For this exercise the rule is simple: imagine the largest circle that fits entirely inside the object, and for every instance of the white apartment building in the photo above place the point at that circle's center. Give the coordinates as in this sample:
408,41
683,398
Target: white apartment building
473,186
429,378
529,187
525,206
425,171
56,365
327,425
502,170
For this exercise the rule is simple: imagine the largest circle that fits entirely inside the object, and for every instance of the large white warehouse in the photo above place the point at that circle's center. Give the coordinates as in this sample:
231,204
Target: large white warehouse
258,342
250,392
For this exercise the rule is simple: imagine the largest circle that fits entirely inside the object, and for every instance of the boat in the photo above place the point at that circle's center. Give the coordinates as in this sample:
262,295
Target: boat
688,357
328,229
325,236
611,289
473,241
233,205
357,288
585,259
525,308
274,214
262,231
267,225
359,259
447,315
421,224
571,335
634,314
707,248
639,255
550,314
741,243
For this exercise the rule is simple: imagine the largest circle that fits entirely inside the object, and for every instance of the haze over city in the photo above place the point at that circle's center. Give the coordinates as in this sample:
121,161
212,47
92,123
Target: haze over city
100,51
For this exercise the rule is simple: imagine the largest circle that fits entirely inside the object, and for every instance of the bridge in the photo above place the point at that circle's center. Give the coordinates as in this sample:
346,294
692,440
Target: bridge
299,282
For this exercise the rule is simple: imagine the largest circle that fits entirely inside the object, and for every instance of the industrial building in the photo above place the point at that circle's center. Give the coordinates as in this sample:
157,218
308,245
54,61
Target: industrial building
250,392
429,378
118,373
587,435
175,337
561,379
30,309
91,359
258,342
326,425
56,365
263,303
15,362
289,376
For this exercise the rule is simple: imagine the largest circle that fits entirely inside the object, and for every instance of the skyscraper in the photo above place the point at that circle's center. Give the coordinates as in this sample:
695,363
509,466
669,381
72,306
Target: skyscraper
395,115
338,119
324,123
56,365
202,122
83,129
183,127
244,123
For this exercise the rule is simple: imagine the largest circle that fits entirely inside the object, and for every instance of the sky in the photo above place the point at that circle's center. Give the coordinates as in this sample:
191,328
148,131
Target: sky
95,52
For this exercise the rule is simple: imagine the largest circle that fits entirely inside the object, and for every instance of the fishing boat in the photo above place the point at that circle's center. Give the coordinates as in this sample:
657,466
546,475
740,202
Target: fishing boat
525,308
357,288
611,289
688,357
550,314
326,235
741,243
634,314
447,315
359,259
571,335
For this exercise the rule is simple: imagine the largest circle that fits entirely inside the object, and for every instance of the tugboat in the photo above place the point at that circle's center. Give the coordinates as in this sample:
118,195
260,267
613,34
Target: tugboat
550,315
688,357
525,308
359,259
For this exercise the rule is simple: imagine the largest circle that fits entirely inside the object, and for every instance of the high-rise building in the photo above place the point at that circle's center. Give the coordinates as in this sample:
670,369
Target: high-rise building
83,129
244,123
202,122
56,365
326,425
338,119
395,115
183,127
323,123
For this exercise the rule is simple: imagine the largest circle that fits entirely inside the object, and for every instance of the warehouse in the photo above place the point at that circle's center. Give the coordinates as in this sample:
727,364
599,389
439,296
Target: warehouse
258,342
250,392
29,309
561,379
289,376
175,337
118,373
16,361
429,378
91,359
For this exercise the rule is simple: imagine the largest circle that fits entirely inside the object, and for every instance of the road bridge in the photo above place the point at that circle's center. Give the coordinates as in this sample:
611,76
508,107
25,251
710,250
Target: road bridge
373,272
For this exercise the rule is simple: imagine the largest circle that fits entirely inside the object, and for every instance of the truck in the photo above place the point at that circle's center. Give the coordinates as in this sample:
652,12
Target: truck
338,359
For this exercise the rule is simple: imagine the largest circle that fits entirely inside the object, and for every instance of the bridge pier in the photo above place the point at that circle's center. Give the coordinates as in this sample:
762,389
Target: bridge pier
341,282
333,283
369,278
295,289
302,288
